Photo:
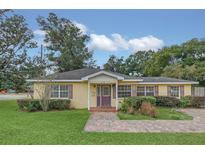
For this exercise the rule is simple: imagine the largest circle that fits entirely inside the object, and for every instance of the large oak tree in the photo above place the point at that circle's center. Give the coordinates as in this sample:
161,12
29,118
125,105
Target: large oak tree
15,40
66,43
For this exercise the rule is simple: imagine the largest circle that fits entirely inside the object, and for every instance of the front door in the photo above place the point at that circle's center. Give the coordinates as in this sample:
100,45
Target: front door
103,96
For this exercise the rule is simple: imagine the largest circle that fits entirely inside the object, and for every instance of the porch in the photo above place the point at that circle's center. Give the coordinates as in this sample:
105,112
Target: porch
102,97
103,94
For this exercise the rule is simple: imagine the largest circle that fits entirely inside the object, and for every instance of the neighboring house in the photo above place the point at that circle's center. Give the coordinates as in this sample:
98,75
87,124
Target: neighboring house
95,89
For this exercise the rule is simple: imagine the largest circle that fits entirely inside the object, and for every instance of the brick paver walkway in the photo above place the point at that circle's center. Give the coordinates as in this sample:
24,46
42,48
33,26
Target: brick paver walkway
109,122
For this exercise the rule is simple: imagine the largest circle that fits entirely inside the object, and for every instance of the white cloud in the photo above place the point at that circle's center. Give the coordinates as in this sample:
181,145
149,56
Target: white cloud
146,43
117,42
102,42
82,27
39,32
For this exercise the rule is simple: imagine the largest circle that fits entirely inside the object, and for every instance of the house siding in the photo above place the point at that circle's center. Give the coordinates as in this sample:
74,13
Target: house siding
38,89
162,90
80,95
80,92
187,90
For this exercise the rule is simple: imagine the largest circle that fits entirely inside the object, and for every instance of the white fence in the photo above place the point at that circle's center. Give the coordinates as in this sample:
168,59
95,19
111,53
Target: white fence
199,91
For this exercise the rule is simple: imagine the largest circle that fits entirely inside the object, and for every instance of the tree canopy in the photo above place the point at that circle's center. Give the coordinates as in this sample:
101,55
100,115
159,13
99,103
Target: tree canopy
16,39
66,43
115,64
184,61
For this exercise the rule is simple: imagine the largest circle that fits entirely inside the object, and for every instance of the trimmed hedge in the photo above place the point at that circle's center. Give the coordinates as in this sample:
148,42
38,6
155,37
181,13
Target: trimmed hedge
32,105
167,101
149,99
59,104
197,102
192,101
187,101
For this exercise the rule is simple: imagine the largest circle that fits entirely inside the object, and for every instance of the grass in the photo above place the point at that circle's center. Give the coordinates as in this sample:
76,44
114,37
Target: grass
66,127
163,114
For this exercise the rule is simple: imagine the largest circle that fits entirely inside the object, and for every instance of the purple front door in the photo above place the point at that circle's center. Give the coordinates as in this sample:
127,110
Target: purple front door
103,96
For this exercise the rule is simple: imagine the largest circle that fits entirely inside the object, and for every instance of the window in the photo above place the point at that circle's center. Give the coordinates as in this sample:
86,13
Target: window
140,91
145,91
59,91
149,91
105,90
54,91
64,91
124,91
174,91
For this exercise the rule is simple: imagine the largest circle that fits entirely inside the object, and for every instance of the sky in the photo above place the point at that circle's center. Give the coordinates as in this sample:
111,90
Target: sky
124,32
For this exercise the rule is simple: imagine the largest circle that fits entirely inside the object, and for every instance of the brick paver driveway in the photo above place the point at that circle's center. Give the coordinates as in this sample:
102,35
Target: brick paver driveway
109,122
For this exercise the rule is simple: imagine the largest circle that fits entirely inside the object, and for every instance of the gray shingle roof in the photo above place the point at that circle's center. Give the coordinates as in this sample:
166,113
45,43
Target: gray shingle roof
73,75
80,73
163,79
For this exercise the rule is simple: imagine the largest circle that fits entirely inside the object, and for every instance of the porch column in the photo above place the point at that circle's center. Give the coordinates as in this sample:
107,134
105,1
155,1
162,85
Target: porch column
88,95
116,93
179,91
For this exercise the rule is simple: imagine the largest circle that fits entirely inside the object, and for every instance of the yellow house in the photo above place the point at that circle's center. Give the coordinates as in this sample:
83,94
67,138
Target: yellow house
102,90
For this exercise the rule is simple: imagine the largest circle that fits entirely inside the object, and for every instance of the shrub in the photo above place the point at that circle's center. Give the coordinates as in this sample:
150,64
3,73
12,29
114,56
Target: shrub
197,101
128,105
187,97
23,104
149,99
132,104
185,101
29,105
167,101
148,109
124,106
59,104
32,105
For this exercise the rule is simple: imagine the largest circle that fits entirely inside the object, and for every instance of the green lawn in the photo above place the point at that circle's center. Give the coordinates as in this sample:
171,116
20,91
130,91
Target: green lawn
163,114
66,127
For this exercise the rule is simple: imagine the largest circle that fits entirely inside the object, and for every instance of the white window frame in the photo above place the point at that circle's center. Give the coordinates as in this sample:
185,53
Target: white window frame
145,90
59,93
141,91
124,90
146,87
178,91
52,91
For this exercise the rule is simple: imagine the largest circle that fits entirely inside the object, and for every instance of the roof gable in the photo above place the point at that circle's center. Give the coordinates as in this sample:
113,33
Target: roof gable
103,73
